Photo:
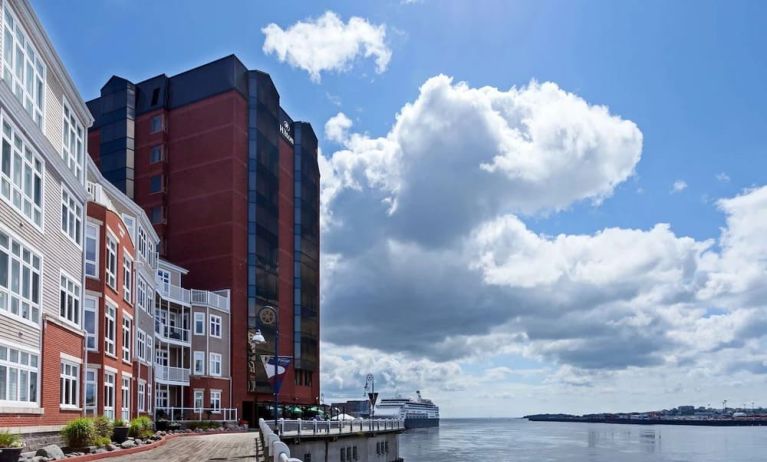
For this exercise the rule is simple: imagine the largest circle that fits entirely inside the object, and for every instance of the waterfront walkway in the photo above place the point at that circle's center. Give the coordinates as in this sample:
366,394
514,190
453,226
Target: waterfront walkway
222,447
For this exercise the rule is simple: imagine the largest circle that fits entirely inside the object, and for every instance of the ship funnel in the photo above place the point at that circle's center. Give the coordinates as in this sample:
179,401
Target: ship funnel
418,393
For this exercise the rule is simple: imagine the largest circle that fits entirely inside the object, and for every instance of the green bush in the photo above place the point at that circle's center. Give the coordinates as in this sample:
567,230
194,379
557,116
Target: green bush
79,433
203,424
102,441
119,423
141,427
103,427
10,440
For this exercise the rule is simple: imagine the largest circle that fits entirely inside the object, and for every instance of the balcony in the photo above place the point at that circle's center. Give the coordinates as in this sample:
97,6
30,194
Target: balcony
171,375
218,300
171,334
173,293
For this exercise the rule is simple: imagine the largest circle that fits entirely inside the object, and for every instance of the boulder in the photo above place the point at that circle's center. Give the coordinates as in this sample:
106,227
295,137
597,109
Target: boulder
51,452
112,447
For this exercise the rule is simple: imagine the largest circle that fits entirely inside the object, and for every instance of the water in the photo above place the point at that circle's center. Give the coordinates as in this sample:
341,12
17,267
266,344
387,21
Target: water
517,440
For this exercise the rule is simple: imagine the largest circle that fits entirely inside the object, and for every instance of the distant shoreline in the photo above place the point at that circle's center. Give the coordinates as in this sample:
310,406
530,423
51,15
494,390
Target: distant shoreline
740,422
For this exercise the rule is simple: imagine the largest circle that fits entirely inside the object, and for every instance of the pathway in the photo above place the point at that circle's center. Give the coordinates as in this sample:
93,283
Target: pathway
203,448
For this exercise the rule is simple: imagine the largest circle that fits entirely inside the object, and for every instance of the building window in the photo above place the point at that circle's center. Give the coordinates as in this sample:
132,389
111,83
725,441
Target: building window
23,68
91,397
215,326
109,328
199,363
156,155
125,404
109,395
156,124
215,401
127,278
140,395
91,325
199,324
149,348
71,216
157,214
69,384
73,146
161,401
354,453
126,338
215,364
149,397
140,292
21,175
156,184
18,375
91,250
111,265
20,269
199,400
140,344
69,300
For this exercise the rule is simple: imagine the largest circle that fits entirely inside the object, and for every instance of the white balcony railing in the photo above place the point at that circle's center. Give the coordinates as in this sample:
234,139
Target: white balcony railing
173,293
190,414
219,300
171,332
179,375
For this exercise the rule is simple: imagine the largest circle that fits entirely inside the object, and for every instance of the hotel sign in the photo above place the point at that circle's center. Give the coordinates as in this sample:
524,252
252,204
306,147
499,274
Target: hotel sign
286,130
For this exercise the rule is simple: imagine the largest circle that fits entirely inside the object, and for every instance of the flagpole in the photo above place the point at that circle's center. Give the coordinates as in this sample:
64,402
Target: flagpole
276,362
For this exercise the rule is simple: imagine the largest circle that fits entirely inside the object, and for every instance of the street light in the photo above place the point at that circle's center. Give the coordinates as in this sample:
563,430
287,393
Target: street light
270,316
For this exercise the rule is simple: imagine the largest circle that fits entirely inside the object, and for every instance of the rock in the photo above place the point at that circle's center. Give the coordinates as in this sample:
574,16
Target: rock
99,451
51,452
111,447
127,444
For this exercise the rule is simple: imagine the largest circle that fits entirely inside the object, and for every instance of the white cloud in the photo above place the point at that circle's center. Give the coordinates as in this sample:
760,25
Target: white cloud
328,44
722,177
678,186
337,128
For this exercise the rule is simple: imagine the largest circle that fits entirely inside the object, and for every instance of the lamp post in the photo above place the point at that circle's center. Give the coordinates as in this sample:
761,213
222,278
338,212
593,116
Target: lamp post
270,316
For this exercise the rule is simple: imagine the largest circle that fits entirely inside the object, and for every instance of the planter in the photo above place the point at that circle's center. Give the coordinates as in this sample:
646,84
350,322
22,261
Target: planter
10,454
120,434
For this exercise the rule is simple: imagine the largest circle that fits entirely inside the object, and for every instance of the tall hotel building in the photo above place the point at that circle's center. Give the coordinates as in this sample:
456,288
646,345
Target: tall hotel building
231,184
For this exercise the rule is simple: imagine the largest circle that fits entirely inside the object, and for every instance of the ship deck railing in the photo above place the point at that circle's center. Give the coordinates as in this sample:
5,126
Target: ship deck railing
300,427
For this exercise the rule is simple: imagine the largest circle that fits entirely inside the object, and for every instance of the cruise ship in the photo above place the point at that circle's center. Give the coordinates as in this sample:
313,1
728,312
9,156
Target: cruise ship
417,412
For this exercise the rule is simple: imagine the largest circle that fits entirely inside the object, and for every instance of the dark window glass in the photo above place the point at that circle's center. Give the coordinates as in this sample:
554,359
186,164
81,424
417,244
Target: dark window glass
155,96
156,124
156,155
155,184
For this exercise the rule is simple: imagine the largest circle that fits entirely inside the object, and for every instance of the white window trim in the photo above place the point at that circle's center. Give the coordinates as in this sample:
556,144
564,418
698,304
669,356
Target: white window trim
35,253
211,369
201,355
66,199
201,316
220,398
201,393
220,324
125,392
97,227
141,396
140,349
95,383
113,394
76,379
126,346
112,275
23,348
66,155
36,159
107,305
96,322
80,308
128,273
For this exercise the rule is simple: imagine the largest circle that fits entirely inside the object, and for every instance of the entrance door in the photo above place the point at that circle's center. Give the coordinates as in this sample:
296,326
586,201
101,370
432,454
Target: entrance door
249,413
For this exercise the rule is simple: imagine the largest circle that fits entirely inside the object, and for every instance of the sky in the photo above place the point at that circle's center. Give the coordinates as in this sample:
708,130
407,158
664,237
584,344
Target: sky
527,206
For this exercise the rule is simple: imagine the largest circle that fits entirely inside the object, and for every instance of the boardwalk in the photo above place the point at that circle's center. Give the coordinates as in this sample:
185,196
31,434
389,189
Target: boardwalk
223,447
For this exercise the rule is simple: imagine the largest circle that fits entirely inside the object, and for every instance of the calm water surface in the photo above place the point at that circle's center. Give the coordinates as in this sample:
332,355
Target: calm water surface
518,440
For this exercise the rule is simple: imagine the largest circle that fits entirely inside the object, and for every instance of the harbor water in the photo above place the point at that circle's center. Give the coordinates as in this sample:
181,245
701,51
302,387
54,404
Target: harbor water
517,440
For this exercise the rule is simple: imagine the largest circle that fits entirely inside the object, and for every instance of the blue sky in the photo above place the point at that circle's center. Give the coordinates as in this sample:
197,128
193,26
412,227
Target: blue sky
689,75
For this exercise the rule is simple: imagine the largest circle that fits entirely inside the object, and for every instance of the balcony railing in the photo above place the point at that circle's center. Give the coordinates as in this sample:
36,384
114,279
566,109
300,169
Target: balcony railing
189,414
178,375
219,300
173,293
171,332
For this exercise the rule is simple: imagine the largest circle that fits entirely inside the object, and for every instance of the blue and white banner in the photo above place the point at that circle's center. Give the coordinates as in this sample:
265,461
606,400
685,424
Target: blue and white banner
282,367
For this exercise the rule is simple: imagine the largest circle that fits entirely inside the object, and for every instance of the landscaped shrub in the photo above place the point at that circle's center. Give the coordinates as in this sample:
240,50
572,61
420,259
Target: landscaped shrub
10,440
102,441
141,427
79,433
118,423
103,427
203,424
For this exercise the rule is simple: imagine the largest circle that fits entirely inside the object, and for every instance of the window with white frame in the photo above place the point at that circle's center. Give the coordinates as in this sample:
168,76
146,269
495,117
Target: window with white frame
149,347
125,404
161,400
21,175
91,396
19,373
127,278
69,384
149,397
142,242
111,263
73,145
149,299
92,250
163,278
126,338
71,216
140,395
130,223
23,68
215,400
109,328
20,268
109,395
215,326
199,400
140,292
199,363
69,300
199,324
90,322
215,364
140,344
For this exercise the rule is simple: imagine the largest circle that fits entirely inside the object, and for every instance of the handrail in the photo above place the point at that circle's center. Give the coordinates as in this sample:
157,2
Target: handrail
190,414
171,332
171,374
276,449
173,292
300,427
212,299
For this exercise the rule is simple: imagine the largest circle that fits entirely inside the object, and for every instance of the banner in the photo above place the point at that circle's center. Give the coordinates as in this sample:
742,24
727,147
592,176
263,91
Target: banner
282,366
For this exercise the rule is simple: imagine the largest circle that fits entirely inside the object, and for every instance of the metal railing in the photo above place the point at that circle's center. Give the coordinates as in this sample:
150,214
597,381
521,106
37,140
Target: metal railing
336,427
193,414
171,332
275,449
212,299
173,293
171,374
